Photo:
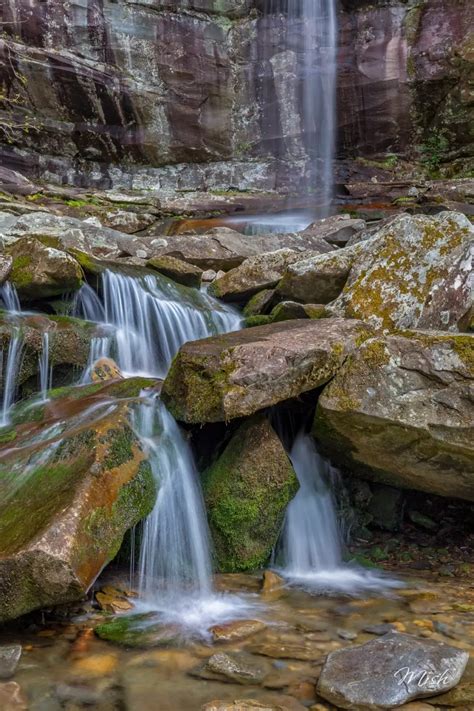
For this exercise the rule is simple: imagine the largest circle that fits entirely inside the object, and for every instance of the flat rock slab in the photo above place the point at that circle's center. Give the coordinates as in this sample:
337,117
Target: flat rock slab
9,658
390,671
237,374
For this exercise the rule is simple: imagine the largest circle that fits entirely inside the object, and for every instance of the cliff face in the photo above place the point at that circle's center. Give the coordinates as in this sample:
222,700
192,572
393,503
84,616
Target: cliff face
183,93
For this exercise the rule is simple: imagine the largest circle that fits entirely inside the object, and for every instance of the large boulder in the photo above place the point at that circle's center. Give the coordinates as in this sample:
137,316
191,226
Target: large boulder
390,671
247,491
319,279
239,373
414,272
400,411
39,271
263,271
73,479
224,249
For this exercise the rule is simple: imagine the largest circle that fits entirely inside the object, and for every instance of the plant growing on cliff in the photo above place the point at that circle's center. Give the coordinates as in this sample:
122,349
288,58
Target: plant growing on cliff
433,151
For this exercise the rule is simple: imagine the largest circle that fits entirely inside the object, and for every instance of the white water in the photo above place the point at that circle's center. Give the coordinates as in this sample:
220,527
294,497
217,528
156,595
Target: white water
10,367
311,546
152,318
311,34
45,369
9,298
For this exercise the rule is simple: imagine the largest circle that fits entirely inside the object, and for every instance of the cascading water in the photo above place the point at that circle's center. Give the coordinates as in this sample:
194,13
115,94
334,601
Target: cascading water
151,319
311,545
9,298
306,71
10,370
45,369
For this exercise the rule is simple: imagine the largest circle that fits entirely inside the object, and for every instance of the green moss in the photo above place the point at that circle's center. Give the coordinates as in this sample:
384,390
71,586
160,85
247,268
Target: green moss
258,320
138,631
38,494
20,274
121,448
247,491
375,353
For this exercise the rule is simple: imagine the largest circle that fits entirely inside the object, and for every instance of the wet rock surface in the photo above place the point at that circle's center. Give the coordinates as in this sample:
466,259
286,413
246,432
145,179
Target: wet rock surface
73,479
240,373
390,671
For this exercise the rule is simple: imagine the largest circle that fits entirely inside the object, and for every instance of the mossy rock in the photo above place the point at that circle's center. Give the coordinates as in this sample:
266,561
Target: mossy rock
40,271
142,631
247,491
177,270
73,481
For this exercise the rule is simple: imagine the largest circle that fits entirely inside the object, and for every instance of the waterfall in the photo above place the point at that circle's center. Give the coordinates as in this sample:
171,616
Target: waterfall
151,319
307,71
10,370
9,298
45,370
175,551
311,545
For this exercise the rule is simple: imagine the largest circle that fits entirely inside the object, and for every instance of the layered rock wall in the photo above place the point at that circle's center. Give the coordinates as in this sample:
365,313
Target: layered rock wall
203,94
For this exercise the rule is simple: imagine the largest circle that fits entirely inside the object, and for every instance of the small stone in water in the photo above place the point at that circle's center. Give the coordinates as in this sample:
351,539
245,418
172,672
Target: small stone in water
379,629
346,634
236,630
113,604
236,667
9,658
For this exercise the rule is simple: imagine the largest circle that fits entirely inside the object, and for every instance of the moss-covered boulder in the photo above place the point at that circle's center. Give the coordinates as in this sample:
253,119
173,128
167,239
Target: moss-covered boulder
416,272
177,270
247,491
400,412
39,271
239,373
73,479
263,271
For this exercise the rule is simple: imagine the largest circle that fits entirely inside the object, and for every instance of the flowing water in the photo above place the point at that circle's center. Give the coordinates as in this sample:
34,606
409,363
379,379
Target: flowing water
9,298
151,319
311,545
45,369
306,72
10,367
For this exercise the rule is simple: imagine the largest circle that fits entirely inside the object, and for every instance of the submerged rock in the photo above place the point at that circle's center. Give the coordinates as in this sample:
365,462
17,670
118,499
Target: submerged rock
247,491
73,479
177,270
240,373
390,671
142,631
234,631
235,667
400,411
12,698
39,271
